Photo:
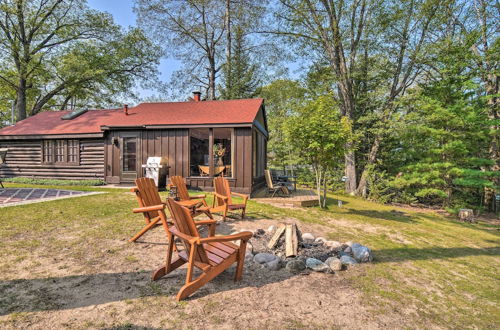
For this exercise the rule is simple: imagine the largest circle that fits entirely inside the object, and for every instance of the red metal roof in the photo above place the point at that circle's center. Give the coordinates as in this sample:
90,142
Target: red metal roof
168,113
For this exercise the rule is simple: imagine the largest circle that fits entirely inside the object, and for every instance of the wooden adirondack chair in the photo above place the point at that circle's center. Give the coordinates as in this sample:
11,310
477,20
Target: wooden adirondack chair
212,255
273,187
222,200
150,205
197,204
153,209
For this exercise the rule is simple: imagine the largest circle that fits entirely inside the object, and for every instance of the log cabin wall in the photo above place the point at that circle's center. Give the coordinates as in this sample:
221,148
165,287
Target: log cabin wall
24,159
174,145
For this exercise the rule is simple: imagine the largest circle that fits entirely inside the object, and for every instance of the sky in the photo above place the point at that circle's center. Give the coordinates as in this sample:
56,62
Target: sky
123,14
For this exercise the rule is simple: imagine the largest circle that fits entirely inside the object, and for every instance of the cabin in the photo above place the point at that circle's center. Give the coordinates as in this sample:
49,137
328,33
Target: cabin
197,139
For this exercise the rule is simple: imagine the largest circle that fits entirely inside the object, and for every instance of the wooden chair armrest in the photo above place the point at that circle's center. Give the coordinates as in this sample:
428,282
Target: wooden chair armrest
190,239
149,208
198,196
244,236
205,222
220,196
245,197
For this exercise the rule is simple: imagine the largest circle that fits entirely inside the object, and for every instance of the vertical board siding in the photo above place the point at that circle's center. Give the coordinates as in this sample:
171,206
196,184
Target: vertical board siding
24,159
174,145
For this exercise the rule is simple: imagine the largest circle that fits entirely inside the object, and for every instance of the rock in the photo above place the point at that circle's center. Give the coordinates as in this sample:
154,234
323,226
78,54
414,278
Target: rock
349,243
308,237
320,240
263,258
271,229
259,232
342,253
361,253
333,244
274,264
347,260
334,263
295,265
317,265
355,245
348,249
248,257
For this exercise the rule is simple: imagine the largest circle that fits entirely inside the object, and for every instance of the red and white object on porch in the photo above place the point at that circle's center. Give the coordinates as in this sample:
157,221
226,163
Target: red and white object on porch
156,168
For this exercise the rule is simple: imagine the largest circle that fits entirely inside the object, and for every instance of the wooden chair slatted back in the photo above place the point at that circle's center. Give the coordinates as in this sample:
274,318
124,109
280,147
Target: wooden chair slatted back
178,181
221,186
269,179
148,194
184,223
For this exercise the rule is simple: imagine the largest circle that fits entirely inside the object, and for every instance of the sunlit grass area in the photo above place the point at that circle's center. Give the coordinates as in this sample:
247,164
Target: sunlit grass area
436,270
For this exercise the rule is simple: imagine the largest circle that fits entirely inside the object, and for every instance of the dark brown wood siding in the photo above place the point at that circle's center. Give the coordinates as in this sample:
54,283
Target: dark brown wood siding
174,145
24,159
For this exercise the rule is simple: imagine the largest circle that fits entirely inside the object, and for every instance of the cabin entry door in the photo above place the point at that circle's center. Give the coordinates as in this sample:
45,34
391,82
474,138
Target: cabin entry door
129,156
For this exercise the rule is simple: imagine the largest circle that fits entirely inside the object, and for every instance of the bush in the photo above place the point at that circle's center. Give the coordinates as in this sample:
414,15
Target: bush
55,182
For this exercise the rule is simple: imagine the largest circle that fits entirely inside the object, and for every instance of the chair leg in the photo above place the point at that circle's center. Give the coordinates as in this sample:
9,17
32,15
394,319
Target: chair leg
145,229
243,213
241,260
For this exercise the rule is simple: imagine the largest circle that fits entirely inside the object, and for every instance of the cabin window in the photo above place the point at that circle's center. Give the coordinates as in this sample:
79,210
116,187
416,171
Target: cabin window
204,163
61,152
199,156
222,151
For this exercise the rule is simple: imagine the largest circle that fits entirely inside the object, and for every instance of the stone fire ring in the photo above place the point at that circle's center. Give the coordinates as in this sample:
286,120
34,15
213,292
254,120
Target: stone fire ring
21,196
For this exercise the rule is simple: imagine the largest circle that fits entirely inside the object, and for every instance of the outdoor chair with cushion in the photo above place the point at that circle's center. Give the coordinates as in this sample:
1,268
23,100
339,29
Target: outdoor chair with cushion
275,187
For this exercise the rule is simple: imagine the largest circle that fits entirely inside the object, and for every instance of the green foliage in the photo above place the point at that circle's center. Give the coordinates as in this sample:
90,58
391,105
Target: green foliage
60,54
318,135
54,182
240,78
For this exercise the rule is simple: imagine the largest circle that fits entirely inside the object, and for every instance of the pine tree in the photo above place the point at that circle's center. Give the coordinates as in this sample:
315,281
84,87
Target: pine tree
240,79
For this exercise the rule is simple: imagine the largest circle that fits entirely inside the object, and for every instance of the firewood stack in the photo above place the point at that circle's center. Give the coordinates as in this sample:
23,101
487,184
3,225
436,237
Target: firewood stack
292,238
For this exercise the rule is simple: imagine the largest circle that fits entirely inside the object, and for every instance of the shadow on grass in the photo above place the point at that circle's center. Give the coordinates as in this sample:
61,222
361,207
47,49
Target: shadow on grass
392,215
406,254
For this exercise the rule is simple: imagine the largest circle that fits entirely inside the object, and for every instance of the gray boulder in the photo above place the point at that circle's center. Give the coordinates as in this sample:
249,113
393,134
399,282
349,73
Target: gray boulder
317,265
308,237
347,260
320,240
348,249
361,253
296,265
334,263
263,258
273,264
333,245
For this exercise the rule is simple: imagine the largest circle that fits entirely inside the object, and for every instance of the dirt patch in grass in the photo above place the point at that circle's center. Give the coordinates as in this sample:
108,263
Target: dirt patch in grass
82,282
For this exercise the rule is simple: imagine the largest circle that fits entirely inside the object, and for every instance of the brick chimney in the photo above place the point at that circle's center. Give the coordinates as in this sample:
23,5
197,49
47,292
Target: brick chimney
125,109
197,96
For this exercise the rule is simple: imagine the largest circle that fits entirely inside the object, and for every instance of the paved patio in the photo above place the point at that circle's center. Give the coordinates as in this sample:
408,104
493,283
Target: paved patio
19,196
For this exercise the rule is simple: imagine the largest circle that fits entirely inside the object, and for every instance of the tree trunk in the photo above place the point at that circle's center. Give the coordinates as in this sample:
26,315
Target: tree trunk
350,170
492,89
211,77
21,99
229,83
361,190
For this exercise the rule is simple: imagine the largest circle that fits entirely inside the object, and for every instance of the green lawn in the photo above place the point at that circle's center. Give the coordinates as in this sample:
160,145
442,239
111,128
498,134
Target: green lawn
436,270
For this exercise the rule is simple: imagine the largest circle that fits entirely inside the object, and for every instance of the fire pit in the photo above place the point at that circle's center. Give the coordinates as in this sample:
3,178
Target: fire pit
285,245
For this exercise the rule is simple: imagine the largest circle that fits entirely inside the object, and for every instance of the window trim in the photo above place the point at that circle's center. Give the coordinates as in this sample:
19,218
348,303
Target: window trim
53,147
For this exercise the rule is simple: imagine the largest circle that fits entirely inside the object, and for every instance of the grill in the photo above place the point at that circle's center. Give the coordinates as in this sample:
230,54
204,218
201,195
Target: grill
156,168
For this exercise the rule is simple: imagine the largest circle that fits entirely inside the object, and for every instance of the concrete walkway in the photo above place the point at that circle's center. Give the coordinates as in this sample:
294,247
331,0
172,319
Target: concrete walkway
20,196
